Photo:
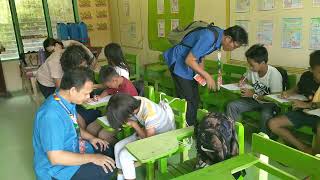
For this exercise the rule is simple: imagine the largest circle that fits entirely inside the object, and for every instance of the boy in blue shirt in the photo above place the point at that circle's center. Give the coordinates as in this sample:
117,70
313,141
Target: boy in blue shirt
186,59
63,150
308,85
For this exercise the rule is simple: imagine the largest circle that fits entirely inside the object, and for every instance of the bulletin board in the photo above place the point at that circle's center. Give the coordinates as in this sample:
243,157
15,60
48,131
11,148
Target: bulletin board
164,15
96,15
130,23
290,29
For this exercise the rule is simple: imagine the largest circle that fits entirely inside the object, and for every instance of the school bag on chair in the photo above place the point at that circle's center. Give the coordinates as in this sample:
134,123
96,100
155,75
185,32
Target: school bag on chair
176,36
83,30
216,140
62,31
74,31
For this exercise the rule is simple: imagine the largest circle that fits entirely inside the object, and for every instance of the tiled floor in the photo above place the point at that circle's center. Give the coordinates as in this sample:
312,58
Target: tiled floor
16,117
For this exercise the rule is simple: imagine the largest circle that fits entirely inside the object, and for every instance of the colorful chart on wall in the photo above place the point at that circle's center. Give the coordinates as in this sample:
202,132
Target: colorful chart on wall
265,5
290,29
289,4
315,34
264,32
165,15
291,33
316,3
242,5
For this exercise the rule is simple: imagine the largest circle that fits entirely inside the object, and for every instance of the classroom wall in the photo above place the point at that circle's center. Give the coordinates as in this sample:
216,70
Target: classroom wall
97,18
278,55
207,10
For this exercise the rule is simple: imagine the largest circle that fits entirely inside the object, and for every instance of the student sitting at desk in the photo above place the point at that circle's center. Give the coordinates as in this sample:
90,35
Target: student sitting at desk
114,83
116,59
265,80
308,85
145,117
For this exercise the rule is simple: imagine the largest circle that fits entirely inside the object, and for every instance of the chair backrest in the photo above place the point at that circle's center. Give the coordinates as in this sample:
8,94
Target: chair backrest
134,65
211,66
149,92
308,164
179,108
232,70
97,77
292,80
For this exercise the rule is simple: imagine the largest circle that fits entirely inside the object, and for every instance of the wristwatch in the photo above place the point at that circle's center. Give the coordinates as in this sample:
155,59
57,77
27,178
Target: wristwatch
255,96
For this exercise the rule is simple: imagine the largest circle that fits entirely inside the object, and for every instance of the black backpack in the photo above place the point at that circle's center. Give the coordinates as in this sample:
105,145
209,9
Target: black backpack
285,78
216,140
176,36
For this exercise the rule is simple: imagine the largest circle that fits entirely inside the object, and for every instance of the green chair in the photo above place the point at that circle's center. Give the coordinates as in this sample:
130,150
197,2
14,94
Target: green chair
179,108
219,99
149,92
211,66
263,149
165,84
134,66
169,171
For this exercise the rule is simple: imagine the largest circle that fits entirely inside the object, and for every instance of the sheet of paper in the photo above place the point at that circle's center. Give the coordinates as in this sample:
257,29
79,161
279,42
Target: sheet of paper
265,5
174,6
282,100
264,32
161,28
174,23
289,4
314,42
292,33
235,87
315,112
242,5
316,3
101,101
104,120
160,6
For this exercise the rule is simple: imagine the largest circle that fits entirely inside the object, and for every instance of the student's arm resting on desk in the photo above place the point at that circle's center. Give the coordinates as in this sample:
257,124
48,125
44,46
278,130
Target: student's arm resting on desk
67,158
142,133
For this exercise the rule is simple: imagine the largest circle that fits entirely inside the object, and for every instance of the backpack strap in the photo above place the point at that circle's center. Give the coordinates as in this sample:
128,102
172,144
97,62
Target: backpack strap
210,27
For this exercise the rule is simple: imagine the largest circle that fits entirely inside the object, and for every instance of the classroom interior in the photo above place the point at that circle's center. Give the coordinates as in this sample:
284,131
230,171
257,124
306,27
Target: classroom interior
290,30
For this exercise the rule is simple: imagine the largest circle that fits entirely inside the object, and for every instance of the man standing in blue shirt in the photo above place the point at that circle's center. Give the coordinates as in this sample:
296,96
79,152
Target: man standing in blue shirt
63,150
185,60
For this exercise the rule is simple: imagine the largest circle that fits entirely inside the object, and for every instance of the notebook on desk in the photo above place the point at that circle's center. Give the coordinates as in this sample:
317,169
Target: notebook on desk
315,112
277,98
235,87
96,104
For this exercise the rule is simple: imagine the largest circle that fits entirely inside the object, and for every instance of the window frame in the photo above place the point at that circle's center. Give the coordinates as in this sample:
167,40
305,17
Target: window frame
46,10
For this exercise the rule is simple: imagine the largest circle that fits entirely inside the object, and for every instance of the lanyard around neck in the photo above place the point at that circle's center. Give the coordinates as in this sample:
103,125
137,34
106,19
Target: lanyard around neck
72,116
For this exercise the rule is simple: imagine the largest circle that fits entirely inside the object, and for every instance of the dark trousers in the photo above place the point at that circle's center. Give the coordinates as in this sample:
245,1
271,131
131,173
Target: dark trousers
188,90
91,171
46,91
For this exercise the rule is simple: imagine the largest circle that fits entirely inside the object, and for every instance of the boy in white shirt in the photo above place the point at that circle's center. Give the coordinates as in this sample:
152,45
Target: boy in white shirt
264,79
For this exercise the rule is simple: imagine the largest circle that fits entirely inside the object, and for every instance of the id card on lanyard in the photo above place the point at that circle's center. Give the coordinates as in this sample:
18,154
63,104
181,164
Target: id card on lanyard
73,118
